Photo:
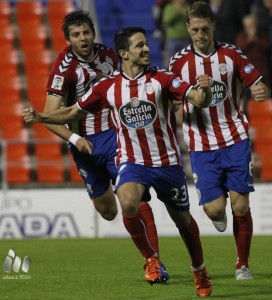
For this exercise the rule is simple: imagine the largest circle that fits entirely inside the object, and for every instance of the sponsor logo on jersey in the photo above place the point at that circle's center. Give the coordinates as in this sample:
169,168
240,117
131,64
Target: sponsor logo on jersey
138,113
57,82
219,91
203,63
133,84
248,68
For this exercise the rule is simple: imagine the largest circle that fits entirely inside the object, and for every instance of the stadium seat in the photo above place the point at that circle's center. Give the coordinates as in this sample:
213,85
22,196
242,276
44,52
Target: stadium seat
11,114
36,90
4,13
57,39
17,160
74,174
14,121
10,89
56,10
46,150
34,39
28,13
41,132
266,167
38,64
9,63
18,174
17,152
14,133
7,36
50,173
259,113
262,141
9,111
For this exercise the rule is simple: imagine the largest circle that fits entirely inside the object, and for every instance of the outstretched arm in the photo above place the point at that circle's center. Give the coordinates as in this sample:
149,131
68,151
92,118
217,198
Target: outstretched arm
54,102
58,116
203,96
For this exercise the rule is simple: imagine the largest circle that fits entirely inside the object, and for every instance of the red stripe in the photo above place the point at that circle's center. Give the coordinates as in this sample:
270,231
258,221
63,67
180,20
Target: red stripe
118,103
213,109
227,105
199,119
158,130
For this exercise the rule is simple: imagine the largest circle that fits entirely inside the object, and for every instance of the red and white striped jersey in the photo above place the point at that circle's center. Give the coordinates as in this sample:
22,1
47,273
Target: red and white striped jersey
71,78
222,123
142,114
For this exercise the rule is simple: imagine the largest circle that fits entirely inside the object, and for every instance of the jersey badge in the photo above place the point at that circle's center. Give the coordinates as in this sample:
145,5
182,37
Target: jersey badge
176,82
57,82
248,68
223,69
149,88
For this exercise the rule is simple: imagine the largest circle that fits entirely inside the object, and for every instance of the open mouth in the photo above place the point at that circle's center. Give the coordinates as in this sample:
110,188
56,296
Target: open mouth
84,46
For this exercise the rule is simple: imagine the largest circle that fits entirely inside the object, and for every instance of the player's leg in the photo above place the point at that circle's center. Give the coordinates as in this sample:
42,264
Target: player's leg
189,233
171,188
242,231
95,175
209,182
240,183
147,217
216,211
131,188
106,205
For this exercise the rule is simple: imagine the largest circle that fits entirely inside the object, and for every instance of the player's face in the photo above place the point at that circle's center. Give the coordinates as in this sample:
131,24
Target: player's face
138,53
81,39
201,33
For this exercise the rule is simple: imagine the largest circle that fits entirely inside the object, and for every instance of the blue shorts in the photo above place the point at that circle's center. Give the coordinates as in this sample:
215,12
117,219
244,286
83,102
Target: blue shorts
168,182
219,171
97,170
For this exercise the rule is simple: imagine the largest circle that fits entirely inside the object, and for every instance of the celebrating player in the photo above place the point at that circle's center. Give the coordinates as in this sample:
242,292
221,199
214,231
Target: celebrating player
76,68
217,136
148,152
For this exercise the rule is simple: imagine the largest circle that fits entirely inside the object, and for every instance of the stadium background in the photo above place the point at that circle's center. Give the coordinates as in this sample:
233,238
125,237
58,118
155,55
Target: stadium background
42,195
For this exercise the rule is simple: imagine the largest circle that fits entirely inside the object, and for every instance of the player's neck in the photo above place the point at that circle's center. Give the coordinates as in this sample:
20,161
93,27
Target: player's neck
87,58
130,71
205,51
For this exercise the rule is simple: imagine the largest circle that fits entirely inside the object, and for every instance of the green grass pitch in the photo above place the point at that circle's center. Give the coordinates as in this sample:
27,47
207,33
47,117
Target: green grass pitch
107,269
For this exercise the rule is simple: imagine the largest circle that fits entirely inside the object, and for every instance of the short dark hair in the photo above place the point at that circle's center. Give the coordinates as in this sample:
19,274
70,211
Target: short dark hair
77,17
121,38
200,9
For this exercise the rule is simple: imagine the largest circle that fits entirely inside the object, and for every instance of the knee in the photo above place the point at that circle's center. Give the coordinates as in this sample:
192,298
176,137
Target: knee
239,203
214,213
129,209
109,215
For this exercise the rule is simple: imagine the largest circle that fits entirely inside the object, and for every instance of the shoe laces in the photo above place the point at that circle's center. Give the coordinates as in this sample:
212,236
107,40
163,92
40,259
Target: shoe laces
152,265
202,279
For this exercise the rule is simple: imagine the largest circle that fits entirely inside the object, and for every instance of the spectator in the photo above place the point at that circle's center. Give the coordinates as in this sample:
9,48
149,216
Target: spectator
229,18
255,45
174,24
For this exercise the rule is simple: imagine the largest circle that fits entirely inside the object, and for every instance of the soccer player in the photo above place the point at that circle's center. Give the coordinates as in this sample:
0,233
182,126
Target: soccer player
148,153
75,69
217,136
